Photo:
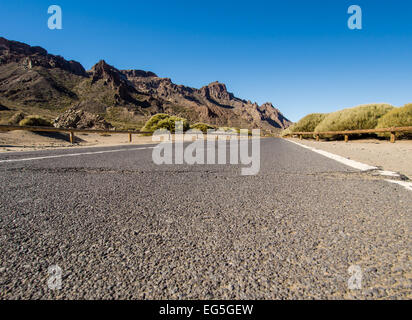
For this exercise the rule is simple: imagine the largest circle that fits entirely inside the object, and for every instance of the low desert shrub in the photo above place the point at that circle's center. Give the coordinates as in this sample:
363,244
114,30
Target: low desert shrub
398,117
308,123
202,127
361,117
16,118
151,124
35,121
164,121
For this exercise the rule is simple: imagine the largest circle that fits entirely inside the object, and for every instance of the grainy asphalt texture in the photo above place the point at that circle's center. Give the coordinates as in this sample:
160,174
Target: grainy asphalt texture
120,226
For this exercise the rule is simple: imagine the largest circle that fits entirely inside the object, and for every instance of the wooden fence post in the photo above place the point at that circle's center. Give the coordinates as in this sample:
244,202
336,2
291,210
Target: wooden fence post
317,137
71,137
130,137
346,138
393,137
300,137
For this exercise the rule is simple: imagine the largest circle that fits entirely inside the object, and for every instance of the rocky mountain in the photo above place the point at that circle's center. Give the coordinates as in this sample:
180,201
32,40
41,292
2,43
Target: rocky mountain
31,80
29,76
17,52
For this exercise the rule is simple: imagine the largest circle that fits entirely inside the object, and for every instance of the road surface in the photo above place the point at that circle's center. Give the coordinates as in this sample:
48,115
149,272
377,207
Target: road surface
120,226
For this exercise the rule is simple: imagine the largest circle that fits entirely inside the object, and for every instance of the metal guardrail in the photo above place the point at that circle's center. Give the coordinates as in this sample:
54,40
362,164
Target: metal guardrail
347,133
70,131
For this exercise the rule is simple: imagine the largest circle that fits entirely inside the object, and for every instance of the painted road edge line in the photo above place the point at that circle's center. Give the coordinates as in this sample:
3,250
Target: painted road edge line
358,165
407,185
348,162
72,154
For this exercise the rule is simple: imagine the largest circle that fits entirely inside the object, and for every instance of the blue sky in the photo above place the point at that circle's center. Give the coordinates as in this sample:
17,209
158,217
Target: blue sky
300,55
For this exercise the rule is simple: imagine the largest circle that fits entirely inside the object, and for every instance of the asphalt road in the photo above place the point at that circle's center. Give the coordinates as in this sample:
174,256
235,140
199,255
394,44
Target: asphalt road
120,226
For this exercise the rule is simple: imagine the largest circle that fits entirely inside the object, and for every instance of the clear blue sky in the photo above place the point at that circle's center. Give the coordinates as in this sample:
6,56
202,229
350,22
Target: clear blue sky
300,55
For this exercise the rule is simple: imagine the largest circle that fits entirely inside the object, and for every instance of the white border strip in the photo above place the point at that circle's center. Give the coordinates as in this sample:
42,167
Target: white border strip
358,165
388,173
407,185
348,162
72,154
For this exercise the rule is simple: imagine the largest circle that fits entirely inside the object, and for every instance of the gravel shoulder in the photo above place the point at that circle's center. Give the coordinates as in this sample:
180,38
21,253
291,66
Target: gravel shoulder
388,156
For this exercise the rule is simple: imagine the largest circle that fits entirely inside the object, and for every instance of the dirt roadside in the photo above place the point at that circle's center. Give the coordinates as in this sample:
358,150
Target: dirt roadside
30,141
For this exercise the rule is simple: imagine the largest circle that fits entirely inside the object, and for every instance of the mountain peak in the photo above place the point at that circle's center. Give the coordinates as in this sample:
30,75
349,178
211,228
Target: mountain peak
217,85
268,105
217,91
101,67
274,116
103,71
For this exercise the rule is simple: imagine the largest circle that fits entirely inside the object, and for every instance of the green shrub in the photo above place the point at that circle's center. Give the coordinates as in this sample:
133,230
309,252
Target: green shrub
16,118
308,123
361,117
398,117
35,121
202,127
151,124
170,123
164,121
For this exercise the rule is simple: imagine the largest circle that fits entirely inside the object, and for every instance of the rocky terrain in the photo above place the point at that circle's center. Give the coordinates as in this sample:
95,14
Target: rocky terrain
80,119
32,80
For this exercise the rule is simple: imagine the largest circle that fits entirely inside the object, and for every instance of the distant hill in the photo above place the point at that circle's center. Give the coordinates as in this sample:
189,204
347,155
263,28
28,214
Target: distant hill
34,81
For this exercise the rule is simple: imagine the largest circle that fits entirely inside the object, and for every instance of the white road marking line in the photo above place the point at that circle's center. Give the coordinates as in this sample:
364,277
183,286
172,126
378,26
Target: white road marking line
73,154
407,185
358,165
348,162
388,173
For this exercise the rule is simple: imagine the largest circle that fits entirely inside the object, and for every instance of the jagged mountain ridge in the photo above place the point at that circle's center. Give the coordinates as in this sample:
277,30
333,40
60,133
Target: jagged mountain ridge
30,76
18,52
